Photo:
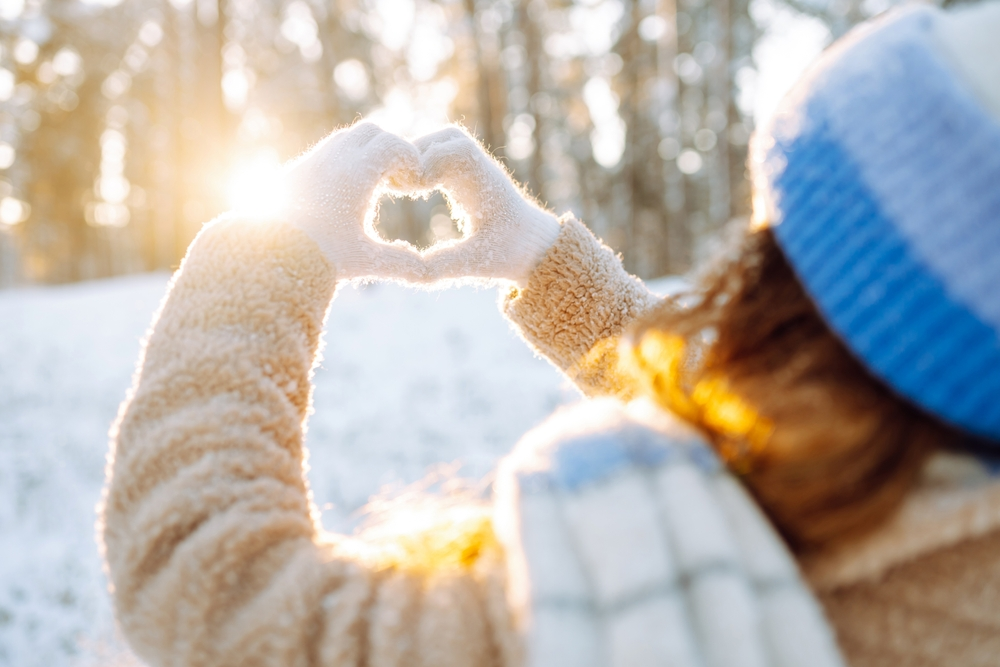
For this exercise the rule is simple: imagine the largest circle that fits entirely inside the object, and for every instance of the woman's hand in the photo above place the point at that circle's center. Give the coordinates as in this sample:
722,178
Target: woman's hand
333,193
505,233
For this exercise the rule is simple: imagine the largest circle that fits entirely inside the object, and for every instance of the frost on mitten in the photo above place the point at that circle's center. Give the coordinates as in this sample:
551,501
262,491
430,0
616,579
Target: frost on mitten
334,190
505,232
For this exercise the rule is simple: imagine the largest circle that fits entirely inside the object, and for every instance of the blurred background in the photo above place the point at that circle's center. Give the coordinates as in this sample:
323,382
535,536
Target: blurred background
124,126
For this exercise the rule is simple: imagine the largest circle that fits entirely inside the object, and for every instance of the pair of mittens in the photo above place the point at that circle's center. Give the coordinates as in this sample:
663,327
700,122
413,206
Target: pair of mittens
334,189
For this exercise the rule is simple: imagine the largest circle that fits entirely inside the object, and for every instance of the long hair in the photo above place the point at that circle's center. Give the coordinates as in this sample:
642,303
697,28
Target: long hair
828,450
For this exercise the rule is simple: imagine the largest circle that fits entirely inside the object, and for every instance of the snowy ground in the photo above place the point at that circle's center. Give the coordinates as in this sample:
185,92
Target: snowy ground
410,379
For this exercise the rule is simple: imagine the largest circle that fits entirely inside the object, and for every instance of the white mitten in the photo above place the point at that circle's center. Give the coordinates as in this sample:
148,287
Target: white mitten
334,190
505,233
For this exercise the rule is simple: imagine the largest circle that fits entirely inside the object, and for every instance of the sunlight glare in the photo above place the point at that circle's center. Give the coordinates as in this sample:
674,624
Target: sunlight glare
791,42
13,211
395,19
608,136
11,9
352,78
416,111
256,188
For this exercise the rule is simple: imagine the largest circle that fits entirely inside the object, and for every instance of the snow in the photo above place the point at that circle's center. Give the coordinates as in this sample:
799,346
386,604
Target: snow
409,380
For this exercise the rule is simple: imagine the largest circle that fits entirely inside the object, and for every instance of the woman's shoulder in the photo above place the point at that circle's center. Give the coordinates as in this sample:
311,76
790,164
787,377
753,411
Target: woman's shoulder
629,543
925,587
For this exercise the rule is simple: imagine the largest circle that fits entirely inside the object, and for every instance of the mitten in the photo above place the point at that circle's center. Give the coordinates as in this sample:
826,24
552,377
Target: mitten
333,193
505,233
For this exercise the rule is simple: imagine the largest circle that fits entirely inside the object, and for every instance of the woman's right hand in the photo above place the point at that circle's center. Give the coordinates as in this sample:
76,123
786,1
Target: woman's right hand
333,192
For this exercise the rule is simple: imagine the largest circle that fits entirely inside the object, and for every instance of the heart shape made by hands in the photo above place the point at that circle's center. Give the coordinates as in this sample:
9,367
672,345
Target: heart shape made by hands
336,187
504,231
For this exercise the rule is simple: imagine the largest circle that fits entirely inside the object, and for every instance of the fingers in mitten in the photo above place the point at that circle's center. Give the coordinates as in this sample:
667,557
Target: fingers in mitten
331,148
454,259
348,138
400,261
460,166
397,162
360,134
450,133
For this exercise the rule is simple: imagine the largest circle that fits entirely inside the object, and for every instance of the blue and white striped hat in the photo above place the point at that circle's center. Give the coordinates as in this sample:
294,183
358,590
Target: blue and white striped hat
881,177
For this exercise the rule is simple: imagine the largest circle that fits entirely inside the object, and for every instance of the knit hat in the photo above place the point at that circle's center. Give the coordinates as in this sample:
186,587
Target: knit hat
880,175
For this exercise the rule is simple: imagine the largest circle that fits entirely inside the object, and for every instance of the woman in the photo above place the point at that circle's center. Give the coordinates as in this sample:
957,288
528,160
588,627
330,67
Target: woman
852,339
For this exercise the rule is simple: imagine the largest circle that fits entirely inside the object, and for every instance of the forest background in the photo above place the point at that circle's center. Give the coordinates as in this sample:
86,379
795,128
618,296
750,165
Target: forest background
125,126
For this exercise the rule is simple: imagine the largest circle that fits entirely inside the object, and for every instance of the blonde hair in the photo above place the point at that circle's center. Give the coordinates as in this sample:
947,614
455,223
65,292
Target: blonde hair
441,523
828,450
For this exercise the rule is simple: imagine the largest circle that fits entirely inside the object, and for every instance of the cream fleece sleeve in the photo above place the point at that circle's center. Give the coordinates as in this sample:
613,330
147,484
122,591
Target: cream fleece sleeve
577,303
211,540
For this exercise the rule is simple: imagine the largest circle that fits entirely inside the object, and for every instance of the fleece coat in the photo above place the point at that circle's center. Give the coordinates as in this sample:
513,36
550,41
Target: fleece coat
214,549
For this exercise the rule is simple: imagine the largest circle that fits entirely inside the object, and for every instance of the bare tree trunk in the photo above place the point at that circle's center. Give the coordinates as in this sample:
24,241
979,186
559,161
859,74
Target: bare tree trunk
167,205
328,17
719,89
215,123
628,50
676,255
488,87
535,55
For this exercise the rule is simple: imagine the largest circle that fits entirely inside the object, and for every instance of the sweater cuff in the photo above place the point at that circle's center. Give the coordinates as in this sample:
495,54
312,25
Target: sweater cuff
575,306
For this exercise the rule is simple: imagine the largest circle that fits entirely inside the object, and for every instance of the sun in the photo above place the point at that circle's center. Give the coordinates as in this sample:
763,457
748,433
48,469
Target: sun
256,187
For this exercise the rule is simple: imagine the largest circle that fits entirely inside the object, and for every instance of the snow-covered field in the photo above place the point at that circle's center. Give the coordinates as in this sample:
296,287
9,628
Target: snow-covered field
410,379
